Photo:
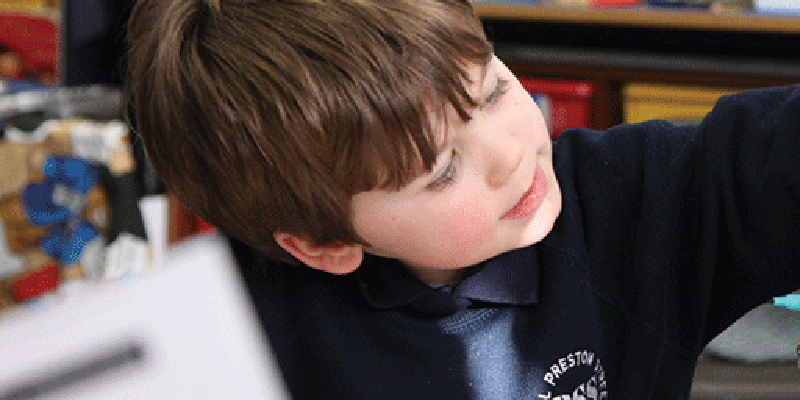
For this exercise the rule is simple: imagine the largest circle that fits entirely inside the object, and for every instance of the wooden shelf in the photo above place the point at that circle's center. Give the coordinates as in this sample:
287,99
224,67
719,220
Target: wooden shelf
645,17
608,81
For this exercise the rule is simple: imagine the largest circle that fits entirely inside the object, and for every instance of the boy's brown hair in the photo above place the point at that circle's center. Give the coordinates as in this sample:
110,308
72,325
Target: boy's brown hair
269,116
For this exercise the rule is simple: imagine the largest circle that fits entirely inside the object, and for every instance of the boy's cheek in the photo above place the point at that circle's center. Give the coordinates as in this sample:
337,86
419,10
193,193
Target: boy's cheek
465,231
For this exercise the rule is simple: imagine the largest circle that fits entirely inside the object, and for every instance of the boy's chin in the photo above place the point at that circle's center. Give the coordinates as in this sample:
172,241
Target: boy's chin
542,222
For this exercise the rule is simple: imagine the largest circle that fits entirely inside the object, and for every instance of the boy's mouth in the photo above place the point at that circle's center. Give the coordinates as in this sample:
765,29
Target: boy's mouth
532,199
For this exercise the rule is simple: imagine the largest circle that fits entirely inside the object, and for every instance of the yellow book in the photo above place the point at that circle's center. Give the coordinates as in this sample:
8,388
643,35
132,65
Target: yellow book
29,4
680,104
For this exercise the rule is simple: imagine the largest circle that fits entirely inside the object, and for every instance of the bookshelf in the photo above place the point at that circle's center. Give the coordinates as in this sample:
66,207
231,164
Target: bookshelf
645,17
613,47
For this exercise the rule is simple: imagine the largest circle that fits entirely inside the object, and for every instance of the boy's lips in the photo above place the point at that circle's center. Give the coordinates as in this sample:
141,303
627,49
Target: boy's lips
532,199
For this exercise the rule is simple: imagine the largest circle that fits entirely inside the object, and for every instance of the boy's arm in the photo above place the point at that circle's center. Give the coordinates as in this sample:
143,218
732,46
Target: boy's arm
689,227
750,198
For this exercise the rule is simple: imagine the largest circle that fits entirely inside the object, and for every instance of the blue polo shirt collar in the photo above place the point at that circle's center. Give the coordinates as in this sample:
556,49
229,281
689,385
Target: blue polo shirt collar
509,278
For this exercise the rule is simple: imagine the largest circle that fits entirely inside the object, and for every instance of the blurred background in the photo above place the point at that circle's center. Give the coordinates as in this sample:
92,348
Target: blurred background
67,157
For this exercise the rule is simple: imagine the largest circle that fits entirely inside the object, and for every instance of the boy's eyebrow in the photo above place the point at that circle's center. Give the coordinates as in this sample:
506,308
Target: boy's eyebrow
484,73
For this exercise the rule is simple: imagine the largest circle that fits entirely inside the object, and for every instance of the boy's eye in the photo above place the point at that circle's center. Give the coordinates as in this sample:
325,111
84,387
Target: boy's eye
446,177
499,90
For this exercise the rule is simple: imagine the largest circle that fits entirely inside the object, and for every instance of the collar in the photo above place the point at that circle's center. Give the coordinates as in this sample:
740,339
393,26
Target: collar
510,278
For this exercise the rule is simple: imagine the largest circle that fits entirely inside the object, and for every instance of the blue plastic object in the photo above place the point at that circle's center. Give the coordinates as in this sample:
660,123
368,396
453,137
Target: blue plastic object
791,302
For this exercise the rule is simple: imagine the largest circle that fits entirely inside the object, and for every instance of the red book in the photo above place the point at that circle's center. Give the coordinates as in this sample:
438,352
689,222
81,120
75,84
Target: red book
36,283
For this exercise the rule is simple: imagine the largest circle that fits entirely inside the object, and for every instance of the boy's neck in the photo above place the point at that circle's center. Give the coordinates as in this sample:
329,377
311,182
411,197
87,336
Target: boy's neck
437,277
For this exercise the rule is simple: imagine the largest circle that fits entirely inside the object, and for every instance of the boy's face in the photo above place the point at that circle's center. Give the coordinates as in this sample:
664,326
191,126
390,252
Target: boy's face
493,188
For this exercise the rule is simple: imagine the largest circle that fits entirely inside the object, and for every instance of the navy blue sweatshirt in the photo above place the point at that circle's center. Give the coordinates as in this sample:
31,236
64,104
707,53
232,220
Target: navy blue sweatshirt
667,235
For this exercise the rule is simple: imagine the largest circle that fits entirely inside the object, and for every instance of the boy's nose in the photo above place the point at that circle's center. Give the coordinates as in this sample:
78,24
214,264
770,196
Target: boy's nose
503,155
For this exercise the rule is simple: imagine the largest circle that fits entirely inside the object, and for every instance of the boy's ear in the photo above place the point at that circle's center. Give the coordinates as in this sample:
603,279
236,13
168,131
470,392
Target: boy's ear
334,258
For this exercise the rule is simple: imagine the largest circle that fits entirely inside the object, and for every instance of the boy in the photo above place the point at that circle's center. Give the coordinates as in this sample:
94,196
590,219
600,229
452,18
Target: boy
454,252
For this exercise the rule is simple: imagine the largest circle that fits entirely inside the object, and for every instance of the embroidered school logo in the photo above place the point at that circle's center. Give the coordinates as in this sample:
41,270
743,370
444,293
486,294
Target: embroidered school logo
577,376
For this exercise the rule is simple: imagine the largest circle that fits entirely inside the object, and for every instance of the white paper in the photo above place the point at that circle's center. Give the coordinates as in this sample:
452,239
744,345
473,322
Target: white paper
185,331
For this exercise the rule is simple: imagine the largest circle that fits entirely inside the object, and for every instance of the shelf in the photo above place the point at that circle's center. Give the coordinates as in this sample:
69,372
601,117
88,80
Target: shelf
611,47
609,79
645,17
625,61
